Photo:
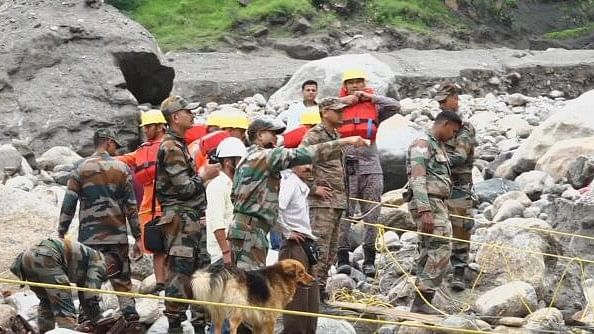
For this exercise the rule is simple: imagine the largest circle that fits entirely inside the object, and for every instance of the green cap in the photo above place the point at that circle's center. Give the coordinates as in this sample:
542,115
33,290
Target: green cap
262,124
446,89
332,103
109,134
176,103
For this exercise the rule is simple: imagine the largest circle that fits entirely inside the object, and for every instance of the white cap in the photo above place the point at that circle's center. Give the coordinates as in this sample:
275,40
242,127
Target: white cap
231,147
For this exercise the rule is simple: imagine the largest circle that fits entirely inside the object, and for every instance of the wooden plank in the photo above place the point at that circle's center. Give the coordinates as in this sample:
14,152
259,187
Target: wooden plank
391,313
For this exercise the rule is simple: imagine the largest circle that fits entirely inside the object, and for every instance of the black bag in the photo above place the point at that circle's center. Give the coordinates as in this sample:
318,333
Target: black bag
312,251
154,236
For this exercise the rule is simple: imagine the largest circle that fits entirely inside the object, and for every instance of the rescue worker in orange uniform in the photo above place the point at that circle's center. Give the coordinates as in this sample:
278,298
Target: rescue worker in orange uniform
292,138
143,162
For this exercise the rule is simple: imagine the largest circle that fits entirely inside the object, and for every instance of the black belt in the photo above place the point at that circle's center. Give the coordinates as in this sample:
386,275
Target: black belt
358,120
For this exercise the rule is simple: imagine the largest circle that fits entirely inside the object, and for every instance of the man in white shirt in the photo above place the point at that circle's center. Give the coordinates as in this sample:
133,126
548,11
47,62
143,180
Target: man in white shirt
297,235
219,209
291,116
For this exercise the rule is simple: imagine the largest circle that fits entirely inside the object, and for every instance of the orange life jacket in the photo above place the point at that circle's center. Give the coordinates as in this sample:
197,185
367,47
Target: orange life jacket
293,138
360,119
196,132
206,146
146,159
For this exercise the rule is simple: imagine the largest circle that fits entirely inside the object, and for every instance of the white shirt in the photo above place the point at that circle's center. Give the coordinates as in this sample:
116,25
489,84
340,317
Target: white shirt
219,213
292,205
292,116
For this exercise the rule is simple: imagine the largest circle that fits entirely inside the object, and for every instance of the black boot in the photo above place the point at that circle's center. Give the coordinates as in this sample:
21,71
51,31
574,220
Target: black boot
419,305
458,282
175,326
369,261
343,266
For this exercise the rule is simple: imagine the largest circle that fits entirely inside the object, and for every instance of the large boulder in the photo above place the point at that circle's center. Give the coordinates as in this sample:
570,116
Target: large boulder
56,156
514,299
534,183
500,265
328,73
557,161
573,121
33,212
393,139
332,326
11,159
62,80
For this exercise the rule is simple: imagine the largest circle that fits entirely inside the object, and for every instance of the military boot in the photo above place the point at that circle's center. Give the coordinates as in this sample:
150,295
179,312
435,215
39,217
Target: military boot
343,266
369,261
419,305
458,282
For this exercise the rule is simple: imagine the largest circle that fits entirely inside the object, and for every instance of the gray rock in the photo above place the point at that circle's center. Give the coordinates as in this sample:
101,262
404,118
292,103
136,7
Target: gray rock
580,172
148,310
548,318
25,303
397,218
559,157
507,300
571,194
512,321
332,326
6,313
148,284
302,25
63,168
388,329
308,49
20,182
338,282
512,195
61,178
260,100
11,159
63,80
26,168
58,155
534,183
142,268
517,99
409,238
556,94
487,191
509,209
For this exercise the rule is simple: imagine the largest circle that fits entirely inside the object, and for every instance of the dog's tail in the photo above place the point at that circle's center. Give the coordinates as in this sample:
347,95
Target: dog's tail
209,285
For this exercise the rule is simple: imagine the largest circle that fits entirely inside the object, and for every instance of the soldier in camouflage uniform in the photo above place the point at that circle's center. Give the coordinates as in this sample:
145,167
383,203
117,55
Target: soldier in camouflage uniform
461,153
181,193
103,185
62,262
429,182
328,198
256,187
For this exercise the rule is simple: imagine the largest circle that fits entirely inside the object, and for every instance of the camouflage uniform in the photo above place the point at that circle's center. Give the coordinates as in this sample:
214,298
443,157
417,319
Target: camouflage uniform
255,190
181,194
325,214
60,262
428,172
103,185
461,154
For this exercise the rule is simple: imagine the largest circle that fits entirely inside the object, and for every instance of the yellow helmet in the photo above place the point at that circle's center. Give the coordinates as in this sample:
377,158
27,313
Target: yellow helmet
234,119
353,73
152,116
213,119
311,116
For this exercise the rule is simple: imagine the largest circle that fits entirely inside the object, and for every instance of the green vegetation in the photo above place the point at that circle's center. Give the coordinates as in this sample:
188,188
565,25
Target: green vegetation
571,33
416,15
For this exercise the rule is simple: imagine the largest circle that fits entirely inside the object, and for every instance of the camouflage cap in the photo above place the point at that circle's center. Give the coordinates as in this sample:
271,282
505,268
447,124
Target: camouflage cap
262,124
109,134
176,103
332,103
446,89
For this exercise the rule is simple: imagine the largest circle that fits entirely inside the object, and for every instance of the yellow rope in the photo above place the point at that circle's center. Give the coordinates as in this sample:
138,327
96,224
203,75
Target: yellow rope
567,234
247,307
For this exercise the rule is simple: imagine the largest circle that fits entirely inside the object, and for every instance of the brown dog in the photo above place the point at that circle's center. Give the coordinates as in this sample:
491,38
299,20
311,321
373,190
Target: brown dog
271,287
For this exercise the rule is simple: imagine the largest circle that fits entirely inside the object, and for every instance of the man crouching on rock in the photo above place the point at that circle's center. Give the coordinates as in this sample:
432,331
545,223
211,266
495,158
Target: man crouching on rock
61,262
428,170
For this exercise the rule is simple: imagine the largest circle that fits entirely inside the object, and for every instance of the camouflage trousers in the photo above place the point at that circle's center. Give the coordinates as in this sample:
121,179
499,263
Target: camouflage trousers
328,227
248,241
434,256
186,240
43,264
122,281
368,187
461,228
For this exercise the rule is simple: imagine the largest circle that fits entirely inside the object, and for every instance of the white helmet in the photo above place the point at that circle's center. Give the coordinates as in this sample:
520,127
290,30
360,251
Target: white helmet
231,147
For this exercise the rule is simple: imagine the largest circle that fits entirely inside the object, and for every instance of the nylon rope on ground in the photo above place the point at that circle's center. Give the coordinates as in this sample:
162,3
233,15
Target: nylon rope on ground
247,307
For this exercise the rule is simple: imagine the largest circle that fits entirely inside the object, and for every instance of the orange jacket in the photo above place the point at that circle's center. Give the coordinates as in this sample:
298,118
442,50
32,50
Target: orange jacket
293,138
360,119
143,162
200,149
